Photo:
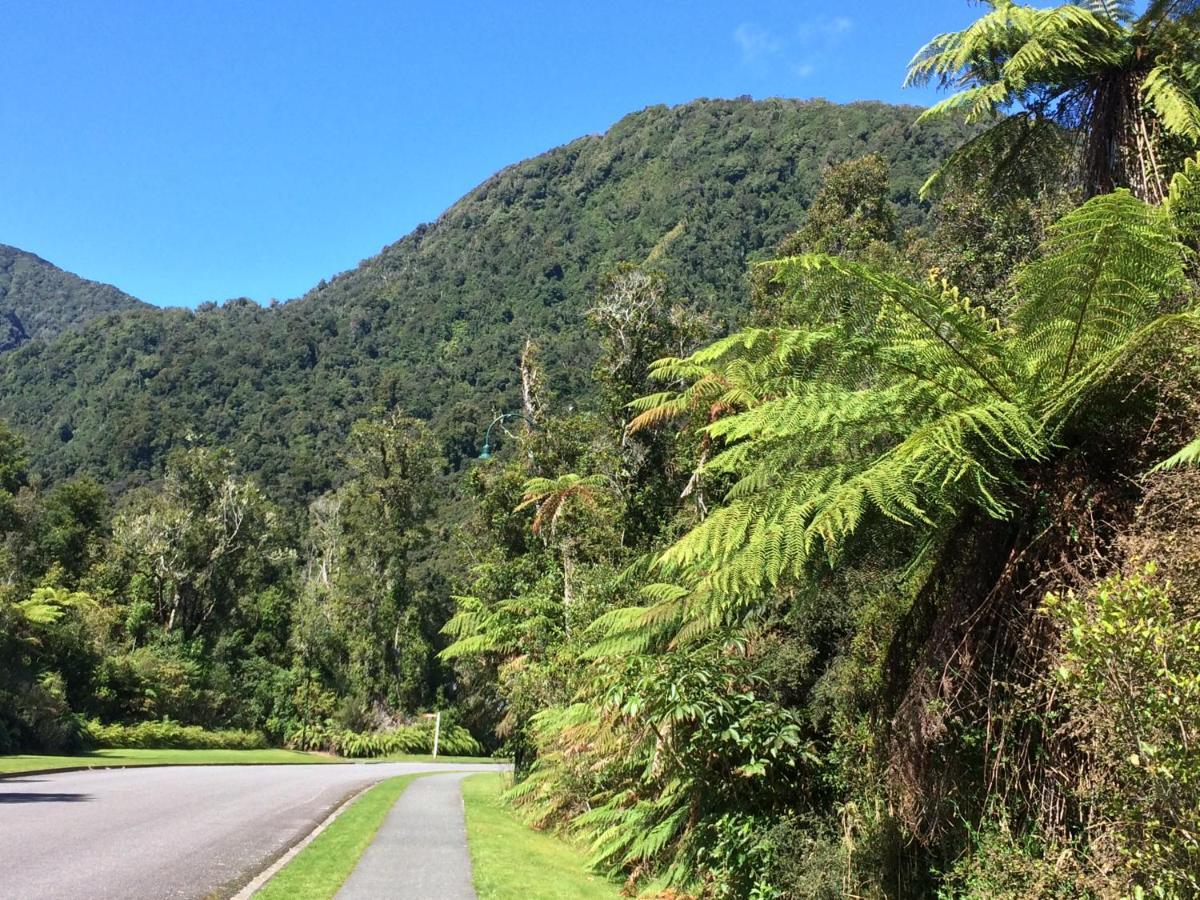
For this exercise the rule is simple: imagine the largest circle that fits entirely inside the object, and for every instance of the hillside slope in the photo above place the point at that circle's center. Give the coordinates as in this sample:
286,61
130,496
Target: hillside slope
434,323
40,300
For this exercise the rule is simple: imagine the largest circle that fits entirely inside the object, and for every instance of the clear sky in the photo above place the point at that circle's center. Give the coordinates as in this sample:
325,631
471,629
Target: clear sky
191,151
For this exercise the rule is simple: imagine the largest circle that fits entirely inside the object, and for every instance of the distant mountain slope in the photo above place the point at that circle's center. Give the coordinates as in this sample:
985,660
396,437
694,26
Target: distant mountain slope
435,322
40,300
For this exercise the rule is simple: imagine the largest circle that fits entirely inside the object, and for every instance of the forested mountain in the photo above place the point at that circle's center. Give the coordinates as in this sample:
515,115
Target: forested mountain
434,324
40,300
841,551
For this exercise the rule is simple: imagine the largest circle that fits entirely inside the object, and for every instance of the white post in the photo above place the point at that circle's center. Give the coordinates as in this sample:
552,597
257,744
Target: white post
437,732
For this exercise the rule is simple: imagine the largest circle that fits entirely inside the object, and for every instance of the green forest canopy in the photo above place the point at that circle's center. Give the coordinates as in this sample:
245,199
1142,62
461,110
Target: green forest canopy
863,562
434,324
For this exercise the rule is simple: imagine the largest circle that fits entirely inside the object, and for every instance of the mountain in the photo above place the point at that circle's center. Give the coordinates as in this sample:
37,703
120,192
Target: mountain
40,300
435,322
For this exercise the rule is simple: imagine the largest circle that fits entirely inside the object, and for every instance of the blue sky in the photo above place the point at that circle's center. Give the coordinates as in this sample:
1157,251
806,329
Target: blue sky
191,151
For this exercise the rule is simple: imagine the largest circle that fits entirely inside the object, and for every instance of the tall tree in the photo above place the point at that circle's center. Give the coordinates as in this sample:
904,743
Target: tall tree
1123,86
195,538
366,620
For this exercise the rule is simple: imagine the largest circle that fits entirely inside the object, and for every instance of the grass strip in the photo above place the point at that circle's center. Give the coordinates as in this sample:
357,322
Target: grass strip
322,867
99,759
427,758
511,861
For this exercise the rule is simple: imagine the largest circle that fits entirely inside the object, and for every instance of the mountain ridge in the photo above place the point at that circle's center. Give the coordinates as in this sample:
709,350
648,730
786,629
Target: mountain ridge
39,300
434,322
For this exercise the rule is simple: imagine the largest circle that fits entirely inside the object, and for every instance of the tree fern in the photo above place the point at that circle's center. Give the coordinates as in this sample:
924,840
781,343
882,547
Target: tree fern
908,404
1093,68
1109,267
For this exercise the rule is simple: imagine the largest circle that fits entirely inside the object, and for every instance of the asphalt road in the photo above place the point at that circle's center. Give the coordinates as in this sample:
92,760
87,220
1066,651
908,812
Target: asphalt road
155,833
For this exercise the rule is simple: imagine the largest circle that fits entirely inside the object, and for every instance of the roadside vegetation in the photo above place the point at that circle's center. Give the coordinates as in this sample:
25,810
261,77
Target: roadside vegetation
876,577
511,861
890,592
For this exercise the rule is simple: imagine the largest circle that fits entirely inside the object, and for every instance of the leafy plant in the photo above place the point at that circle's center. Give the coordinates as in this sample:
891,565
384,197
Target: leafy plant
886,401
1127,85
1130,665
166,734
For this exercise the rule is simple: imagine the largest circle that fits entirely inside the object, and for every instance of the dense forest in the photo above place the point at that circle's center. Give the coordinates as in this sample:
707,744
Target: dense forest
842,539
38,300
435,323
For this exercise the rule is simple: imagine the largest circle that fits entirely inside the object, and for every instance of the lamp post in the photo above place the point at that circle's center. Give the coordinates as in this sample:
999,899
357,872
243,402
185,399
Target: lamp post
437,728
486,453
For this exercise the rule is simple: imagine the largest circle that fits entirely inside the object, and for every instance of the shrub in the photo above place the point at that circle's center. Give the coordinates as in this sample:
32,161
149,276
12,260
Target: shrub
1130,666
35,717
1004,866
171,735
454,740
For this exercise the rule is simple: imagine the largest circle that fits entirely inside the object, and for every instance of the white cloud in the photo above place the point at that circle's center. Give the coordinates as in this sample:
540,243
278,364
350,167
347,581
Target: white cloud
800,51
824,30
755,41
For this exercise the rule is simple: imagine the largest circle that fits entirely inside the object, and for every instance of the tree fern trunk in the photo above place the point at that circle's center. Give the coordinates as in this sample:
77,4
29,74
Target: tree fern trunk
1121,140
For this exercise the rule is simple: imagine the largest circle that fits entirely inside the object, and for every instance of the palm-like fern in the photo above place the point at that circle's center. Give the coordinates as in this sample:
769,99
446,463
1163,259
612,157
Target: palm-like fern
1121,82
46,606
552,497
903,402
1188,455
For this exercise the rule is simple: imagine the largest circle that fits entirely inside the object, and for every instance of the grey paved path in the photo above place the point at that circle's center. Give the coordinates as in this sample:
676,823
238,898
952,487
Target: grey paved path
152,834
420,852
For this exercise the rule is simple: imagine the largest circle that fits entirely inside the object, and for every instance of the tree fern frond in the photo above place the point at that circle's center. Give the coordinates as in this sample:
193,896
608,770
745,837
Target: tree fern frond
1172,102
1117,10
1106,270
1183,201
1188,455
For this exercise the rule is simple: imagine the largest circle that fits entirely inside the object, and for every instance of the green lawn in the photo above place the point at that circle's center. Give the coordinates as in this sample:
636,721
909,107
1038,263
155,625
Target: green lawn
99,759
104,758
511,861
426,758
324,865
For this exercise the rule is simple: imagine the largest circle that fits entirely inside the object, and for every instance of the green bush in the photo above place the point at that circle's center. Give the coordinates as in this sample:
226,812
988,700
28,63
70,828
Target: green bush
39,718
1001,865
455,740
171,735
1130,668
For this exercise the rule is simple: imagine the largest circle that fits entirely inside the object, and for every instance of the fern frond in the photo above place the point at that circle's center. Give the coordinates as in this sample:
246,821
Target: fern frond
1107,268
1172,102
1188,455
1183,201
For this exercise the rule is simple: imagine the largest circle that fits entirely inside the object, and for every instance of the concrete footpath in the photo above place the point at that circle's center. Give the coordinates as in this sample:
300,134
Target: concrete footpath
420,851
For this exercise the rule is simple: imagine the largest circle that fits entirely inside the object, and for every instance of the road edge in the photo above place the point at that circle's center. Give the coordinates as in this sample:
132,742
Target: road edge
257,882
483,761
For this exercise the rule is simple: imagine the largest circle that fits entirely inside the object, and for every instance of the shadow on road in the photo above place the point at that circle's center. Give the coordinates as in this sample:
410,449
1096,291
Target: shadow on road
32,797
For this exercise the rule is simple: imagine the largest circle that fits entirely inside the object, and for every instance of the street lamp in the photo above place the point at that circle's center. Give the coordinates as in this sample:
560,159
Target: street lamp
486,453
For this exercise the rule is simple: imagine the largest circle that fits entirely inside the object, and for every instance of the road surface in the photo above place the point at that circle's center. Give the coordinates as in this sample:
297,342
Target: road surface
173,832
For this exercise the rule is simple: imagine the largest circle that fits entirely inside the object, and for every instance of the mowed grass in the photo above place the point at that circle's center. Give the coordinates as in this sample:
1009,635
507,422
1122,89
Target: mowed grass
100,759
511,861
427,758
321,868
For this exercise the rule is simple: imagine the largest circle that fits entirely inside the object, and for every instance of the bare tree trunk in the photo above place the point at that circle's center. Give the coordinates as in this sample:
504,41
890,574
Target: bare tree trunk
176,601
568,565
531,382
